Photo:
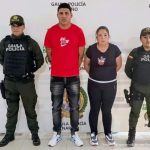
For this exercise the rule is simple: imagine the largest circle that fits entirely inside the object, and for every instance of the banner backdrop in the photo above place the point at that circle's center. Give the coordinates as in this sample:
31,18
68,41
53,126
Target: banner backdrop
124,18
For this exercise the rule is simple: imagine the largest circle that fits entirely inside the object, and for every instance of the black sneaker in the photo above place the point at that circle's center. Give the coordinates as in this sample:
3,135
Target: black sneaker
36,139
7,138
93,139
109,139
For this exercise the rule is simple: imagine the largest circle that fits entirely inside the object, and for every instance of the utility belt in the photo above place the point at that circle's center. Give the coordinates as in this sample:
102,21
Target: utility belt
26,77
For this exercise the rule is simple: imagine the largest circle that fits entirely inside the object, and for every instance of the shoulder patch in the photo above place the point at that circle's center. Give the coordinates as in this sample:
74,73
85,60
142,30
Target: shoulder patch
27,36
7,37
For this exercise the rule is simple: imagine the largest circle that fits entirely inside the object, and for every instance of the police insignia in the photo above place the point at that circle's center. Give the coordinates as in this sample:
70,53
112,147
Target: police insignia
15,18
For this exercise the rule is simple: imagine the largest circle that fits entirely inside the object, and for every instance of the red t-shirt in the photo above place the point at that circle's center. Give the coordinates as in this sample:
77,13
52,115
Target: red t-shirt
64,46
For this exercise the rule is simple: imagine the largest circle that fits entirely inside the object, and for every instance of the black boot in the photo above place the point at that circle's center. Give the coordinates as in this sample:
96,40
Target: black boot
131,138
36,139
7,138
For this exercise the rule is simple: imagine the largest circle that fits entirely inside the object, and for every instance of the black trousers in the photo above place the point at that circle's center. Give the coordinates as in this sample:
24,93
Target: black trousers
101,96
139,93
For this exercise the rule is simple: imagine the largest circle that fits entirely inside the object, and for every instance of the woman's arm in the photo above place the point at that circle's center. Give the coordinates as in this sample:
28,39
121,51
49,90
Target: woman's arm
118,62
86,64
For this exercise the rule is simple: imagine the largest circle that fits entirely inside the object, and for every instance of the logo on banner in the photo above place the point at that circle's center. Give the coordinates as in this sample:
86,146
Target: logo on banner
82,104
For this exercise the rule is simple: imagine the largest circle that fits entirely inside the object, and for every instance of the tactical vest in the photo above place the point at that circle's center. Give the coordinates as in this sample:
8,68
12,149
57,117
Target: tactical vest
141,67
18,57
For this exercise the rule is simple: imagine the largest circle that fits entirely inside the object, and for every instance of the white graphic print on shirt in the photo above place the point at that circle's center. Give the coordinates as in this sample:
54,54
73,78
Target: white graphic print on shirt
63,41
101,60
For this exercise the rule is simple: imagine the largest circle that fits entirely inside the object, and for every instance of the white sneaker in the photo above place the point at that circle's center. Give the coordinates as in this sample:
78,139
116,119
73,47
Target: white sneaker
93,139
109,139
55,139
76,139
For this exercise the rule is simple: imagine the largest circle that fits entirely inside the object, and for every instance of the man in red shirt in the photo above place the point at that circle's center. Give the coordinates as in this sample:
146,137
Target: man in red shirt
64,44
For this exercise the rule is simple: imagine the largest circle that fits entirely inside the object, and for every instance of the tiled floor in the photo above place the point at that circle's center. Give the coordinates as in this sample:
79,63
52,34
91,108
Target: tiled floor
23,142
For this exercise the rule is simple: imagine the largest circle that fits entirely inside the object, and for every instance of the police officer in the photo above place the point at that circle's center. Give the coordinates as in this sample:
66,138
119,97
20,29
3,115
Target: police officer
20,57
137,68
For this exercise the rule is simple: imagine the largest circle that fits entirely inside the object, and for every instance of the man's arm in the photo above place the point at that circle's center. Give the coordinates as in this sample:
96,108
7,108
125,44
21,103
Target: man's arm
81,54
48,52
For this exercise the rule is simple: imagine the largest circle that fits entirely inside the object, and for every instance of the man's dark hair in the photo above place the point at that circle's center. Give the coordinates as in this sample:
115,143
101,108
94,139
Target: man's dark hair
64,5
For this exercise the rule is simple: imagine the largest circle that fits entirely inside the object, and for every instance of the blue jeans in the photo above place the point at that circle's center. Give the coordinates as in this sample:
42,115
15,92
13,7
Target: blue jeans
72,86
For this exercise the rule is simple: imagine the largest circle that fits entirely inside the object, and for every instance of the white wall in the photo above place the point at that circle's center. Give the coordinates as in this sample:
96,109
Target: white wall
124,18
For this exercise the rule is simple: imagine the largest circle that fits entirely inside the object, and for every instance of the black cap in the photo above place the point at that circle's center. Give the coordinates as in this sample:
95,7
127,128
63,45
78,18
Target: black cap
145,31
16,19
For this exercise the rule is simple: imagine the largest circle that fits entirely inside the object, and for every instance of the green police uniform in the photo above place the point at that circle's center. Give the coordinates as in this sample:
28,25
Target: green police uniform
137,69
20,57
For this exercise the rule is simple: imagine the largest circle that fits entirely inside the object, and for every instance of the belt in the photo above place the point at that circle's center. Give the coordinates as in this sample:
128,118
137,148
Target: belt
103,81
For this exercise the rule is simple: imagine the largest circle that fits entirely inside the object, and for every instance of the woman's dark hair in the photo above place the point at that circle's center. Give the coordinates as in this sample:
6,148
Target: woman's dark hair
64,5
102,27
